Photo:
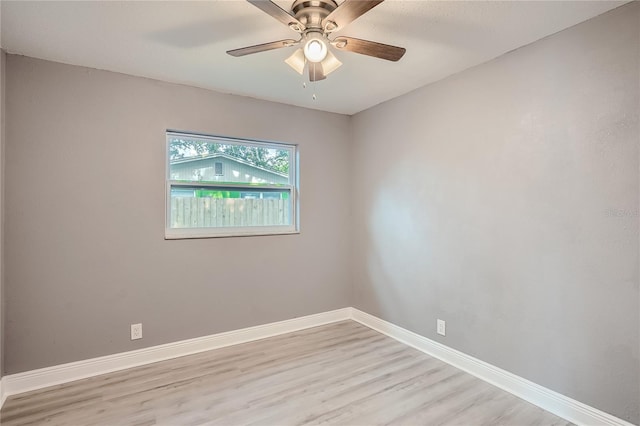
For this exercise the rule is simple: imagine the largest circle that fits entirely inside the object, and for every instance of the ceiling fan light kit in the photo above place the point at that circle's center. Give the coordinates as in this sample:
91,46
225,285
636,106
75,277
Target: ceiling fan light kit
315,49
315,20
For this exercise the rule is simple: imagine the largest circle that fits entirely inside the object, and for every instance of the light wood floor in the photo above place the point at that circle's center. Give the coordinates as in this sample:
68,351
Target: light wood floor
343,373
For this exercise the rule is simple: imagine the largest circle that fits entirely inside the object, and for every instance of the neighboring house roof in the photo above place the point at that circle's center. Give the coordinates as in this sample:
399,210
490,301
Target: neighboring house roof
228,157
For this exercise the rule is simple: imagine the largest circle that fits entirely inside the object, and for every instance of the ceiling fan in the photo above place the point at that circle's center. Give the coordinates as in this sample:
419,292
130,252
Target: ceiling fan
315,20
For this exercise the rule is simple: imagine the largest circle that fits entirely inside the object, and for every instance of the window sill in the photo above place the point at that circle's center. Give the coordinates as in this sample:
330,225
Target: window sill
180,234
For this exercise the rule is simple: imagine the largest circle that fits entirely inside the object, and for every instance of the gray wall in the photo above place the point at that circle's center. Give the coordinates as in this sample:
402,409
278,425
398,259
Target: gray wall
504,200
86,255
2,127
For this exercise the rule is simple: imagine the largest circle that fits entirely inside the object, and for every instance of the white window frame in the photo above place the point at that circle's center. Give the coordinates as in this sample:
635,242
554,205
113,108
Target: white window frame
232,231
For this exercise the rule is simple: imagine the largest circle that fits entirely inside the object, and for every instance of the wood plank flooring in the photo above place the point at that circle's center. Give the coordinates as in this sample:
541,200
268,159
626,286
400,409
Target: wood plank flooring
342,373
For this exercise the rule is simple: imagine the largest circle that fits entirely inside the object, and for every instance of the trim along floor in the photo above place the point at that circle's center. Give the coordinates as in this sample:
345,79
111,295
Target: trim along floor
341,373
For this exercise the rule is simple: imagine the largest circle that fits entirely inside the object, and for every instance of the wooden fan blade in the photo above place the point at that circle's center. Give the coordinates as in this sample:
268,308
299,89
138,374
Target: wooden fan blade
296,61
262,47
347,12
279,13
370,48
315,72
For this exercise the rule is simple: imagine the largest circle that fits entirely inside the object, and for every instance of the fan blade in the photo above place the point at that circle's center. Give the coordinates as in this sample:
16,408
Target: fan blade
370,48
315,72
330,63
279,13
347,12
296,61
262,47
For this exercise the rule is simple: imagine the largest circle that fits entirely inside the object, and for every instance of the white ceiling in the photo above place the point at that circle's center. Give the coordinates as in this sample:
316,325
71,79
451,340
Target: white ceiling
185,42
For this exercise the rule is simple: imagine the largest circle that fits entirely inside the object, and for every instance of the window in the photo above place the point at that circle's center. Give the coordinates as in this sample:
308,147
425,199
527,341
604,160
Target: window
220,187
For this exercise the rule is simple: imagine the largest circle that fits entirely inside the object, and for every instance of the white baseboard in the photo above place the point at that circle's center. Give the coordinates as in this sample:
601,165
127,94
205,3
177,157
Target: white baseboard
560,405
565,407
37,379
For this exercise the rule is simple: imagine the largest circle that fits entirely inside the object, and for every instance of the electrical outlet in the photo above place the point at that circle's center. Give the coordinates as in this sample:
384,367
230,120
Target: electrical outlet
136,331
441,327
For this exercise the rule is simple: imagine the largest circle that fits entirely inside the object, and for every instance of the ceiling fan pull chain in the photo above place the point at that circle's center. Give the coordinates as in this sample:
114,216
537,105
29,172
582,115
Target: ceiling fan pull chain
309,73
314,84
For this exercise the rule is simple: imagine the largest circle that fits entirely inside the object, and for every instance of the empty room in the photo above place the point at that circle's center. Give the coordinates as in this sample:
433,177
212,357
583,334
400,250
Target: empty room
346,212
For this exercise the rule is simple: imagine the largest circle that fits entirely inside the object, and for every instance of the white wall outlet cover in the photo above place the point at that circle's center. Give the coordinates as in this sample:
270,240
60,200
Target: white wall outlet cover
441,327
136,331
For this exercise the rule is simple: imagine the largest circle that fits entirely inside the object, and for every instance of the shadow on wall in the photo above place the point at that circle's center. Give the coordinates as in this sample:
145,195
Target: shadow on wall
428,253
397,251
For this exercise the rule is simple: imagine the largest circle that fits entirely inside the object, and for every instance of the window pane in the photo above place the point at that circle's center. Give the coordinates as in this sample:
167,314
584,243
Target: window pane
206,207
211,160
227,186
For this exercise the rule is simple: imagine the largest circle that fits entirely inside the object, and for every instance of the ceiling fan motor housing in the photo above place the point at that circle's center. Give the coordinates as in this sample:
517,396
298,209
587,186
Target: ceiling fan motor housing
311,13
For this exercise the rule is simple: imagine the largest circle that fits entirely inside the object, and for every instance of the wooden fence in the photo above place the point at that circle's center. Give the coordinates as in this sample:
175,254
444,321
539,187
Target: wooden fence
188,212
